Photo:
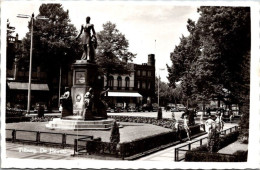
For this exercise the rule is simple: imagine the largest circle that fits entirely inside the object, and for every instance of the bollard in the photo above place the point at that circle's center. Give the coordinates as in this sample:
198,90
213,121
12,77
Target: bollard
13,135
200,142
63,140
38,137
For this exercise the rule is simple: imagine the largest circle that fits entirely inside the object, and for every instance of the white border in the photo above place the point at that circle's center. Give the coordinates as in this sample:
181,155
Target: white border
254,156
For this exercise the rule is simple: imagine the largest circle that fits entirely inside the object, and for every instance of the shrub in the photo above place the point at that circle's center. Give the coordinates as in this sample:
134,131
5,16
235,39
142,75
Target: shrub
17,119
115,135
192,156
241,156
166,123
228,139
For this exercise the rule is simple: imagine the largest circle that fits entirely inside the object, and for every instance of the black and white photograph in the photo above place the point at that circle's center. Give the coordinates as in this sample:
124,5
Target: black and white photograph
135,84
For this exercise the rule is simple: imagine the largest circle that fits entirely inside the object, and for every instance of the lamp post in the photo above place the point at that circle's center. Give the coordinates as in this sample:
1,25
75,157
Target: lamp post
31,48
160,69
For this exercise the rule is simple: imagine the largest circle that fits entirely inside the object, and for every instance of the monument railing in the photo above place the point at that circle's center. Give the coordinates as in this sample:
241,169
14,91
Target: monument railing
45,138
179,157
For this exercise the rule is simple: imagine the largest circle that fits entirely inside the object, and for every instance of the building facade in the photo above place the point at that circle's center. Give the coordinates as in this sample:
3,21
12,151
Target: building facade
137,87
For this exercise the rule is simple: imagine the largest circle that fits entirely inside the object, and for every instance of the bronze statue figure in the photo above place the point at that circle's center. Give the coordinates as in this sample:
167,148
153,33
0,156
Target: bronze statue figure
66,103
88,41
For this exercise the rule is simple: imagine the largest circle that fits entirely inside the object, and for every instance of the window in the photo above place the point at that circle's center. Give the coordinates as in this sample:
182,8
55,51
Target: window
138,73
119,82
143,85
143,73
149,73
149,85
138,84
110,81
127,83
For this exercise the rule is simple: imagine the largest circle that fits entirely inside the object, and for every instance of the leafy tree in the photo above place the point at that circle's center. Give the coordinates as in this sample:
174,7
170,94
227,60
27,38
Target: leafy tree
213,61
167,93
52,40
112,48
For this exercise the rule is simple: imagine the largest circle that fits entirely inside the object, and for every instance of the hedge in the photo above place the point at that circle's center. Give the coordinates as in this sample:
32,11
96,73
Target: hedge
166,123
17,119
238,156
127,149
201,154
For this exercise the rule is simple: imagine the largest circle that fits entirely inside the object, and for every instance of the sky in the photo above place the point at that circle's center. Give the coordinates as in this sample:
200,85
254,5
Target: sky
150,27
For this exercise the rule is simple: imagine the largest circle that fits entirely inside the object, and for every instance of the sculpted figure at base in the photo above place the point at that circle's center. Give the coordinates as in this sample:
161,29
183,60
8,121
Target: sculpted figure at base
88,100
66,103
88,41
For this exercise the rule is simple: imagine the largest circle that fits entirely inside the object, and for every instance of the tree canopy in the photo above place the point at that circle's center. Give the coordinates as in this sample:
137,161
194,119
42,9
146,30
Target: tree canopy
210,61
53,38
112,48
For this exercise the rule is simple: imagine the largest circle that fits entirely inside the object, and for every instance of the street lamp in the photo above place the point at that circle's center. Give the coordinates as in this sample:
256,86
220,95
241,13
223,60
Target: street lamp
160,69
31,48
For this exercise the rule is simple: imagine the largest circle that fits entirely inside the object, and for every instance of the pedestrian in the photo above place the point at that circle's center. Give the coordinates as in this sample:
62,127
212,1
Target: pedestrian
230,113
208,124
178,130
186,127
173,116
202,125
208,111
218,121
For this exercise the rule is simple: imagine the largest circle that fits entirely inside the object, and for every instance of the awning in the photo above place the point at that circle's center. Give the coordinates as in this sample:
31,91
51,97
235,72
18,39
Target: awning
24,86
124,94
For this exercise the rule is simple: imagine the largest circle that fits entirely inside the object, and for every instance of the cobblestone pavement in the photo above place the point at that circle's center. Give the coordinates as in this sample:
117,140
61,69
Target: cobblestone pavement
169,153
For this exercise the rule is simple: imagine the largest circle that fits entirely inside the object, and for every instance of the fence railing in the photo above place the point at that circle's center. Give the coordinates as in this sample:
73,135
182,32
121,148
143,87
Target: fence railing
188,147
37,137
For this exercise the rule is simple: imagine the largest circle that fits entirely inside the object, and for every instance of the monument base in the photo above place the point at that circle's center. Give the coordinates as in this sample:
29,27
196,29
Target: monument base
72,123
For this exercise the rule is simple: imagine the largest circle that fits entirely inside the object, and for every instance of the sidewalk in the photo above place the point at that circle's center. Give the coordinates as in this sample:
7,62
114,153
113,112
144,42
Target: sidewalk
169,153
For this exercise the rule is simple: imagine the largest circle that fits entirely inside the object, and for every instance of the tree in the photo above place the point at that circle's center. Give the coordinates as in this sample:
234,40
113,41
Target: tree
213,61
53,46
112,48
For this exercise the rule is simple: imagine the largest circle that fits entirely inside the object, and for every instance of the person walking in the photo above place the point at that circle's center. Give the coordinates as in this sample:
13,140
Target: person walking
202,125
186,127
208,124
178,130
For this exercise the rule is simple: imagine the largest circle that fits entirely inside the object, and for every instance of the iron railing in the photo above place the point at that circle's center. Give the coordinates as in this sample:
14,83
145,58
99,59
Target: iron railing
177,156
37,137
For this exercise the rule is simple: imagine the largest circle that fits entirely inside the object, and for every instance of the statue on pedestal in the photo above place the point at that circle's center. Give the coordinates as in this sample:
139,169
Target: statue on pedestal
88,41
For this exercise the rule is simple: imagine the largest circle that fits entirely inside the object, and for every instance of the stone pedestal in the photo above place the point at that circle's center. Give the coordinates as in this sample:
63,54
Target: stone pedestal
85,75
94,116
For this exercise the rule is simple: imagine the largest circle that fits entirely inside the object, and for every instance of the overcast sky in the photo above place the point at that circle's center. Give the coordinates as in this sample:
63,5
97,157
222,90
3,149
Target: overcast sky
142,24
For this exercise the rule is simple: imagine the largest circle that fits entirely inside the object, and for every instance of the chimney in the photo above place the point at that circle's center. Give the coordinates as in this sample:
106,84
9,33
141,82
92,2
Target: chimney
151,60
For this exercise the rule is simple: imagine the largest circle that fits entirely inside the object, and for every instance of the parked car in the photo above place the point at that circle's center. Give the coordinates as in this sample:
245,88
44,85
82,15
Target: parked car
174,109
119,107
19,107
181,107
147,107
131,107
155,107
40,104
